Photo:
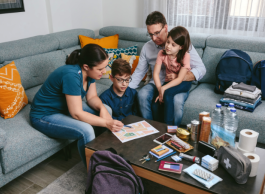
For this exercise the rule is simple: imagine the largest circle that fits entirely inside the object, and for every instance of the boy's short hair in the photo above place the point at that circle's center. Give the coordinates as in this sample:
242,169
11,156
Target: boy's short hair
120,67
155,17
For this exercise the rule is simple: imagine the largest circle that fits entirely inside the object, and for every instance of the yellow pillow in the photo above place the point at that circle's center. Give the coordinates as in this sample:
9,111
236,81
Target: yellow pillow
13,97
106,42
135,62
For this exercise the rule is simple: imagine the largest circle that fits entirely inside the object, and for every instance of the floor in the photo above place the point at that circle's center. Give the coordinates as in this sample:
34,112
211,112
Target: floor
43,174
46,172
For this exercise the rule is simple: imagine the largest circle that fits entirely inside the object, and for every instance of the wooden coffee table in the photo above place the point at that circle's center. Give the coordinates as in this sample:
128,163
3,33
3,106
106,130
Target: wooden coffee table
135,149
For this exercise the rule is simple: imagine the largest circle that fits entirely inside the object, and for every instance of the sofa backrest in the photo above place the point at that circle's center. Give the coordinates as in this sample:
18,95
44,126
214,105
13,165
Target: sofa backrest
129,36
36,57
216,45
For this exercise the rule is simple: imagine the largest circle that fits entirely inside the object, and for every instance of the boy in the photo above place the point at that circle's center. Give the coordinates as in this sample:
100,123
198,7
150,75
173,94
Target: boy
121,98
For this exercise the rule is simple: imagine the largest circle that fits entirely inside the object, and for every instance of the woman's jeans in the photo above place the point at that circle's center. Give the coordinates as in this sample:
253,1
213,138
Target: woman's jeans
65,127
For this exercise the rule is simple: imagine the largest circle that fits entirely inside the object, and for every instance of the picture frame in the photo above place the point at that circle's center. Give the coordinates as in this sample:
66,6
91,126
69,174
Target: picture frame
11,6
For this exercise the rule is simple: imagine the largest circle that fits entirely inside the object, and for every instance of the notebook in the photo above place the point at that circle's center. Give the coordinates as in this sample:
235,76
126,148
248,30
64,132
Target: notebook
170,167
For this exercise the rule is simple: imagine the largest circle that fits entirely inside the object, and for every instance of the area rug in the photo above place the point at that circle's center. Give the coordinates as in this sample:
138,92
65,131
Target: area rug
71,182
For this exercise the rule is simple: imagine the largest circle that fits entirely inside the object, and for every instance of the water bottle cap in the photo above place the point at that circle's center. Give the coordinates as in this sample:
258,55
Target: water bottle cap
231,104
218,105
233,110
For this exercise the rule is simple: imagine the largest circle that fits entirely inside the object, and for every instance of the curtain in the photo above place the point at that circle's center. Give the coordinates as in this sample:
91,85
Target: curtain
238,17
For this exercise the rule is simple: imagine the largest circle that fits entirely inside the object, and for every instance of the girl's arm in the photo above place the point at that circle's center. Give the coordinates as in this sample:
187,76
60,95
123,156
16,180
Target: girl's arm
156,78
183,71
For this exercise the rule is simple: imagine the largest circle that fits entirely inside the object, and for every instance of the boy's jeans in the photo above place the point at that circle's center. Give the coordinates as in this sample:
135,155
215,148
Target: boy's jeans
150,110
65,127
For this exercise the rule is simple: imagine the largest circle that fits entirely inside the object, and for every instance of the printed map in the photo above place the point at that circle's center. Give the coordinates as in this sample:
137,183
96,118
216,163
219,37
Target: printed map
138,130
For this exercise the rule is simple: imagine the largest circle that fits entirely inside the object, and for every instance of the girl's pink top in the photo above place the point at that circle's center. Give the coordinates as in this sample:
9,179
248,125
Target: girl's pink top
172,66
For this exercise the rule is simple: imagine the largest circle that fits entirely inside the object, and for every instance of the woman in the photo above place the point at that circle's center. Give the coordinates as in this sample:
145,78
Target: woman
58,110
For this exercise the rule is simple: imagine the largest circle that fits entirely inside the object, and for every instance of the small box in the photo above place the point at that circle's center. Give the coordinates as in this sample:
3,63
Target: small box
172,129
160,150
209,162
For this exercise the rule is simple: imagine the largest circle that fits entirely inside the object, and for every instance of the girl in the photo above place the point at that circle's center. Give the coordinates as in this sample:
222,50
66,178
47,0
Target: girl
58,110
176,58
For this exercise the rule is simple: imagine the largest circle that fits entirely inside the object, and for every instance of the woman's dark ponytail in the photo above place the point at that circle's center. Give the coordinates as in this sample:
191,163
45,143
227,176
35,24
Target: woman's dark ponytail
72,59
91,55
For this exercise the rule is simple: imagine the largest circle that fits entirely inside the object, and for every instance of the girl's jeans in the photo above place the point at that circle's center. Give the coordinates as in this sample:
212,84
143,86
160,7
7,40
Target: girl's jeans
63,126
168,98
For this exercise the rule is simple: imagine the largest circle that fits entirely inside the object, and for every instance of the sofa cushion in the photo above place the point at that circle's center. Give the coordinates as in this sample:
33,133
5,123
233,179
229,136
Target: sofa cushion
125,33
2,138
107,82
203,98
24,143
69,38
252,44
101,87
68,51
34,70
32,92
17,49
211,58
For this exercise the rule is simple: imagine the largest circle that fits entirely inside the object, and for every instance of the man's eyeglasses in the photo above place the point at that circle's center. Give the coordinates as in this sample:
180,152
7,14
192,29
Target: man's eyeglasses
156,34
120,80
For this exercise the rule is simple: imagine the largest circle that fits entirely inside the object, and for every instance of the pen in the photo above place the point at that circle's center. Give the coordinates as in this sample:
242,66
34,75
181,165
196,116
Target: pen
128,126
165,156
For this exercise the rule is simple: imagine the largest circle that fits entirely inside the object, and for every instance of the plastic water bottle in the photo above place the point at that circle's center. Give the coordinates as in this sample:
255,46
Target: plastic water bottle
217,117
231,121
227,110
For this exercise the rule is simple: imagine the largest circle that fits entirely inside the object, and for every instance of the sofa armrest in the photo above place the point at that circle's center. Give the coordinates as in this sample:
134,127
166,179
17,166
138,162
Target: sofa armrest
2,138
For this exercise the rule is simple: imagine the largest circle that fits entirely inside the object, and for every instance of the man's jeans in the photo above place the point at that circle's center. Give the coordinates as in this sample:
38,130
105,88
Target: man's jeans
150,110
65,127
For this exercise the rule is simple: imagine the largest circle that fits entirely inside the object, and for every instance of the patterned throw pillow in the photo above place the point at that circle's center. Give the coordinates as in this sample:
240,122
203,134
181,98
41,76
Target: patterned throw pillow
128,51
13,97
112,58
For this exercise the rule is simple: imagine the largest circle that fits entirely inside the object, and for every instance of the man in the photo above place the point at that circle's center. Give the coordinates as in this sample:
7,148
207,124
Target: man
158,29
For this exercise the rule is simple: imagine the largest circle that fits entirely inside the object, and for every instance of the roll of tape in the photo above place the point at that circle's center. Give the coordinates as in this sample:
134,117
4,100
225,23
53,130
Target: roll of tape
248,140
254,159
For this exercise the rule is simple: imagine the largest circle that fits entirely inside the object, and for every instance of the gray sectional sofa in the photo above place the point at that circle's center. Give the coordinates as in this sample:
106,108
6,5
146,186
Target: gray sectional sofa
22,147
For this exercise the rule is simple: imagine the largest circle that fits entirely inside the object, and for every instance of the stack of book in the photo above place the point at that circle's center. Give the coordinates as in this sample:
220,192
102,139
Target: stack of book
244,97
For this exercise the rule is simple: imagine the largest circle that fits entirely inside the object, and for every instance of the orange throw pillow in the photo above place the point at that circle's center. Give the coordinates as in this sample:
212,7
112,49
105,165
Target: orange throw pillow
13,97
110,42
134,65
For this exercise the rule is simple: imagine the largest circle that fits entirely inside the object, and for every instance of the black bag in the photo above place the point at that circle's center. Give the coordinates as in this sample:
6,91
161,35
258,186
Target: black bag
258,77
234,66
235,163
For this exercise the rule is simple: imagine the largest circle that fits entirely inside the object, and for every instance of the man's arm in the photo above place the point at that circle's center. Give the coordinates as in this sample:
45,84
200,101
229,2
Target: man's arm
140,70
198,69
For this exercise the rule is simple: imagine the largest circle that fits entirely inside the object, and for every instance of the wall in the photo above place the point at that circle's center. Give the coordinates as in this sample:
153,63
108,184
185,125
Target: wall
20,25
76,14
47,16
127,13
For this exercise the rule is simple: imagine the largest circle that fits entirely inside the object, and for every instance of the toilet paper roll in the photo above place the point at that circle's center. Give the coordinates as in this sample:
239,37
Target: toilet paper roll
248,139
245,151
254,159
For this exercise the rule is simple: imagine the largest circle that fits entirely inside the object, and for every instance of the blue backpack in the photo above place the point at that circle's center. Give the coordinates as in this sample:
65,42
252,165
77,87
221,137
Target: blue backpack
258,76
234,66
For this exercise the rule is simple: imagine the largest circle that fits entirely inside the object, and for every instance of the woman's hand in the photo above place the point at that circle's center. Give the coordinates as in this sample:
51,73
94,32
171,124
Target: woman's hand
114,125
